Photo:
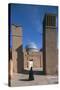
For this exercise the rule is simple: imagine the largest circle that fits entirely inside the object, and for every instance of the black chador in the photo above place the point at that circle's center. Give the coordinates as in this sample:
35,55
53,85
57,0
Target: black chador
31,76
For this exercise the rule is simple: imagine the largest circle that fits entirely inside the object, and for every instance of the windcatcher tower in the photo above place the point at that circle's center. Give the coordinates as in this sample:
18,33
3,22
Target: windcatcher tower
17,49
50,57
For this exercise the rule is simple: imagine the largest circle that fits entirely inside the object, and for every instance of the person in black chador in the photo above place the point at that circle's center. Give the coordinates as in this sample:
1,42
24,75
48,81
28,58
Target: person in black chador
31,76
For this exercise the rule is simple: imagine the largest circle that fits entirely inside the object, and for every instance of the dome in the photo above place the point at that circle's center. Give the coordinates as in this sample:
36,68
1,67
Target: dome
32,47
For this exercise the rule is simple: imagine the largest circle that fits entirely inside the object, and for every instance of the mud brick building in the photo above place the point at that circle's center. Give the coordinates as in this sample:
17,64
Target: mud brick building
45,60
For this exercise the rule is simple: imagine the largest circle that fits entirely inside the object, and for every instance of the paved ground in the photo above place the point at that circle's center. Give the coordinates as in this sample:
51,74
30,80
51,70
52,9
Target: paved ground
22,80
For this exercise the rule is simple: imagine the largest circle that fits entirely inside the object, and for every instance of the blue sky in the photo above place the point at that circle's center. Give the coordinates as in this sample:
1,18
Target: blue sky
31,19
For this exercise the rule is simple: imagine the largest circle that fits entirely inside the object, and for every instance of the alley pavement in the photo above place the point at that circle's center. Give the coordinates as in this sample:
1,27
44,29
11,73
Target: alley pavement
22,80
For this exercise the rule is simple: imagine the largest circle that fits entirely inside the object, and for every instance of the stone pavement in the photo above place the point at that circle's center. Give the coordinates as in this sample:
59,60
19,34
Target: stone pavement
22,80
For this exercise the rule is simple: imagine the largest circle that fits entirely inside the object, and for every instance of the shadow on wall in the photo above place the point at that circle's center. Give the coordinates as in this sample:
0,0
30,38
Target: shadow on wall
44,48
20,59
35,72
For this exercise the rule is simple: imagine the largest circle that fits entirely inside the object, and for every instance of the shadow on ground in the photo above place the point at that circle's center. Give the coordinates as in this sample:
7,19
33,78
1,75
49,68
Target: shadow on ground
25,80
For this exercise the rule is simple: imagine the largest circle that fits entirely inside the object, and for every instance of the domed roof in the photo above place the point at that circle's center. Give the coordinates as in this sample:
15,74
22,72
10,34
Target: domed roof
32,47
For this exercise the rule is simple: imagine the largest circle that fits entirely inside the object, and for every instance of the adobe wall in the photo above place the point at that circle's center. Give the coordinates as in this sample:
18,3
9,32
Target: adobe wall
50,52
17,50
37,59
